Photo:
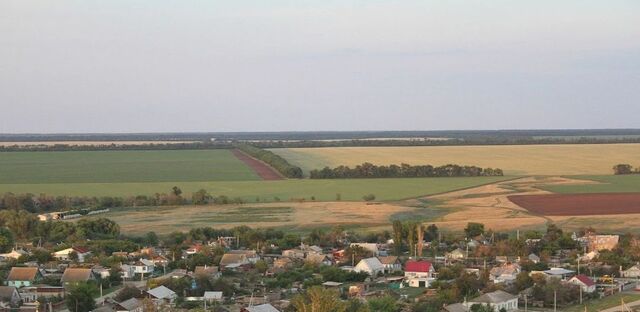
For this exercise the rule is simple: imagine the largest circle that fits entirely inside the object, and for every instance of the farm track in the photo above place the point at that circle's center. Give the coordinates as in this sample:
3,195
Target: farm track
263,170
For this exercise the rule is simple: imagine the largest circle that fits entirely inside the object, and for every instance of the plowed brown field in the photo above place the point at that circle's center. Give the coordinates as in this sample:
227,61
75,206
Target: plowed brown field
262,170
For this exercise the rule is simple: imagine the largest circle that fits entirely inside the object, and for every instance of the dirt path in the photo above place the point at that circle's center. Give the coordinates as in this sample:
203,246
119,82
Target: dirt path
263,170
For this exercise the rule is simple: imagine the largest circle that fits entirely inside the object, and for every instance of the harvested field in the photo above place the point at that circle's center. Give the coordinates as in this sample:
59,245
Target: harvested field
292,216
561,159
579,204
261,169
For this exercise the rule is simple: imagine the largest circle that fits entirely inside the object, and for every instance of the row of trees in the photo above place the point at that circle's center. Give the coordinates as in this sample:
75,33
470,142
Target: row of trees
47,203
278,163
115,147
368,170
620,169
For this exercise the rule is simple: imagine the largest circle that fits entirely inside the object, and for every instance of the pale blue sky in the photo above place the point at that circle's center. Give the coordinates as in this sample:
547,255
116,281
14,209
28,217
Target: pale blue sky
149,66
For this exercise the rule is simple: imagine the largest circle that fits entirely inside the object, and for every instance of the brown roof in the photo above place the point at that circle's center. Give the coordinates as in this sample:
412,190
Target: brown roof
233,258
388,260
76,275
7,291
205,270
22,274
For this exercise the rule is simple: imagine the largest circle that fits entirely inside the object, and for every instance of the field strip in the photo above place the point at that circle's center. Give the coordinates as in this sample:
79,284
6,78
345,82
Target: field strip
263,170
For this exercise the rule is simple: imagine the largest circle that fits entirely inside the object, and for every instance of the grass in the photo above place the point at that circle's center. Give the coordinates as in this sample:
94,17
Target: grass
322,190
608,184
121,167
604,303
562,159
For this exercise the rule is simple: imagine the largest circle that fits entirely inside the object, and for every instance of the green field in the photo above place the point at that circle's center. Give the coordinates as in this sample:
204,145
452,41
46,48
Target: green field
323,190
607,184
119,166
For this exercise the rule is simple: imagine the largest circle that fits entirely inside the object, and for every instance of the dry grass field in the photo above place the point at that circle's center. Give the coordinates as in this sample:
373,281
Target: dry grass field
563,159
487,204
292,216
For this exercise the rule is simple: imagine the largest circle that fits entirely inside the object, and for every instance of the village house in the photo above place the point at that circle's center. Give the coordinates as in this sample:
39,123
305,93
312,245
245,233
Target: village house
101,272
372,265
587,284
260,308
9,296
559,273
251,255
73,276
600,242
293,253
390,263
632,272
418,273
32,293
533,258
282,263
504,273
318,259
210,271
21,277
233,261
370,247
14,254
193,249
456,254
212,296
143,266
162,294
64,255
130,305
498,300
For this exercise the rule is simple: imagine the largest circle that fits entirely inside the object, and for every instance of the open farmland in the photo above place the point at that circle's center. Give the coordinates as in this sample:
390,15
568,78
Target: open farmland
603,184
293,216
20,168
562,159
579,204
322,190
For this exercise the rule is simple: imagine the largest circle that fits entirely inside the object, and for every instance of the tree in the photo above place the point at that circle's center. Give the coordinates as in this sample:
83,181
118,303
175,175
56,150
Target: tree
369,197
318,299
481,308
523,281
261,266
383,304
151,238
397,237
176,191
622,169
431,233
474,229
80,297
201,197
127,293
6,240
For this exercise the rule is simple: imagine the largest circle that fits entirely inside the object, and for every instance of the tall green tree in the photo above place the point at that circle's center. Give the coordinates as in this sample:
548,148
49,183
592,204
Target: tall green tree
80,297
397,237
318,299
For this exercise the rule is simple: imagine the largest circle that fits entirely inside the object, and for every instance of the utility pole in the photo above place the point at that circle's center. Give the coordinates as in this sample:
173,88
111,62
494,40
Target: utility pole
525,303
554,301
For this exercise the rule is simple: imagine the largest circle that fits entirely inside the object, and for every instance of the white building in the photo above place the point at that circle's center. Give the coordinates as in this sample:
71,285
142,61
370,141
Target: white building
497,300
587,284
64,255
419,273
372,265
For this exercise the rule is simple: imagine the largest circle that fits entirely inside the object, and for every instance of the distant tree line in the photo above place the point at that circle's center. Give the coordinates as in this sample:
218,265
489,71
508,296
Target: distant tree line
368,170
272,159
46,203
116,147
621,169
499,140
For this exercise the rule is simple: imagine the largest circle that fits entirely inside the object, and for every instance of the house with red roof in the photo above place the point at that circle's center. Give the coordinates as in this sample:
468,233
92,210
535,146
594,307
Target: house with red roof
419,273
587,284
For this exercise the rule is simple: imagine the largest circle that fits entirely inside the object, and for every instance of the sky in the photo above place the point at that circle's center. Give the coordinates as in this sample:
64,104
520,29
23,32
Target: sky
275,65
